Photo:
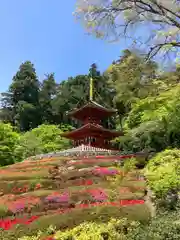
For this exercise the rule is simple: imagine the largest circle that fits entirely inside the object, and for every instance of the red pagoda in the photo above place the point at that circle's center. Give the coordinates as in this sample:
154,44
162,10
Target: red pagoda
92,133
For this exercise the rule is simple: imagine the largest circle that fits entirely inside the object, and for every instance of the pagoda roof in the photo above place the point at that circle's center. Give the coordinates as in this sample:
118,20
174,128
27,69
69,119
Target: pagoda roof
91,109
91,129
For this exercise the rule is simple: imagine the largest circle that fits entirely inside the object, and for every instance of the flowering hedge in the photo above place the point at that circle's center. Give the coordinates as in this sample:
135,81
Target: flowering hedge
105,171
22,204
73,189
9,223
57,198
25,188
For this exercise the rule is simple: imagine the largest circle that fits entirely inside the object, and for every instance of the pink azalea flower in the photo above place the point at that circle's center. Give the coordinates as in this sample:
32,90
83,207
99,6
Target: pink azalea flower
105,171
98,194
57,198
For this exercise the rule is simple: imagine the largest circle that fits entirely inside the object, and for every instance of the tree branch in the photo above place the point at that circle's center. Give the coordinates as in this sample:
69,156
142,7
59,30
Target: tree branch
154,50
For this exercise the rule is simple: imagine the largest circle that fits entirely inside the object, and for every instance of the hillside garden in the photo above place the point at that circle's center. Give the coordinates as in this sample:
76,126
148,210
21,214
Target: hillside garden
127,197
124,197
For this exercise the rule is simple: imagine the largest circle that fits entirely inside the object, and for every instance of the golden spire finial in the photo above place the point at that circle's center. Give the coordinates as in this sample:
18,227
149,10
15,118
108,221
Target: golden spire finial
91,89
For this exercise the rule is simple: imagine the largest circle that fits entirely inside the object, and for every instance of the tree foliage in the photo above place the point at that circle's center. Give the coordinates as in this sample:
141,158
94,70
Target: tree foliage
29,103
21,102
163,171
132,78
146,100
8,142
43,139
124,19
153,122
15,147
48,90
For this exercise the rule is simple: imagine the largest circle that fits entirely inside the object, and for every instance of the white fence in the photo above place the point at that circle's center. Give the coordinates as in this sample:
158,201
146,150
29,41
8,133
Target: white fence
82,150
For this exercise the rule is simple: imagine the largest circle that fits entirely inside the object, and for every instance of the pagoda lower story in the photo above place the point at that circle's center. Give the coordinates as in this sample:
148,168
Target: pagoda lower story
92,133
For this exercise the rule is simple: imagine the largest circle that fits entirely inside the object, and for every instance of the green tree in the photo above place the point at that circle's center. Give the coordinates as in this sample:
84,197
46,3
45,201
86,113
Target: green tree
29,103
47,93
132,79
21,102
8,142
163,171
153,123
74,93
70,94
120,19
43,139
148,137
159,104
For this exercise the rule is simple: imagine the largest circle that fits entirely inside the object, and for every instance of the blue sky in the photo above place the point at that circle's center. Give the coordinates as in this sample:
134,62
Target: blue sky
46,33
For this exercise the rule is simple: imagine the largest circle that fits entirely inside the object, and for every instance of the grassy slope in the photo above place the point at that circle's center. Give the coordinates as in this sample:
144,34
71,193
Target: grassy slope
30,173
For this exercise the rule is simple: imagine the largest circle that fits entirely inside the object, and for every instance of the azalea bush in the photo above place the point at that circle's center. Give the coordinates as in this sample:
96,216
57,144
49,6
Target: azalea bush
69,196
93,230
105,171
163,227
73,217
9,223
44,200
163,172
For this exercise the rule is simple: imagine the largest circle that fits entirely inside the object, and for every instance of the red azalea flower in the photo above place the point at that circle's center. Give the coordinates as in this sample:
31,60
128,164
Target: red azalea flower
38,186
20,190
89,182
95,204
125,190
84,205
25,188
131,202
114,203
49,238
7,224
15,190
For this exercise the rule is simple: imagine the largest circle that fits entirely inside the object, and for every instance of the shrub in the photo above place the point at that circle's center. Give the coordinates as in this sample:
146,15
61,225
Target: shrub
163,227
90,231
43,139
129,165
163,171
113,230
8,142
68,220
3,211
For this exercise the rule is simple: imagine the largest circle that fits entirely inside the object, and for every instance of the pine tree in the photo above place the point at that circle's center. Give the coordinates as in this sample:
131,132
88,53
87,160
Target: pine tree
47,93
21,102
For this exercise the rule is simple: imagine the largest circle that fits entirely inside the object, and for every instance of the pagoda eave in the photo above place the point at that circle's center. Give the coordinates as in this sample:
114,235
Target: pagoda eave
92,108
91,130
84,135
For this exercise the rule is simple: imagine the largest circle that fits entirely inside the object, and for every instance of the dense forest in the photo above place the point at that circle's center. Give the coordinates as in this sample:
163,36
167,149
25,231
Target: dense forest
34,113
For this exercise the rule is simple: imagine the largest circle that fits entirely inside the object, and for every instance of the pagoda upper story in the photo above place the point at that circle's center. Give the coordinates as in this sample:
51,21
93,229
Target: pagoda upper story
92,112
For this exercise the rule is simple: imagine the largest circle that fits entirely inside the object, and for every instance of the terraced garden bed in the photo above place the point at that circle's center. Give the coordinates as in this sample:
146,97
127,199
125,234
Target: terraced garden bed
65,192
